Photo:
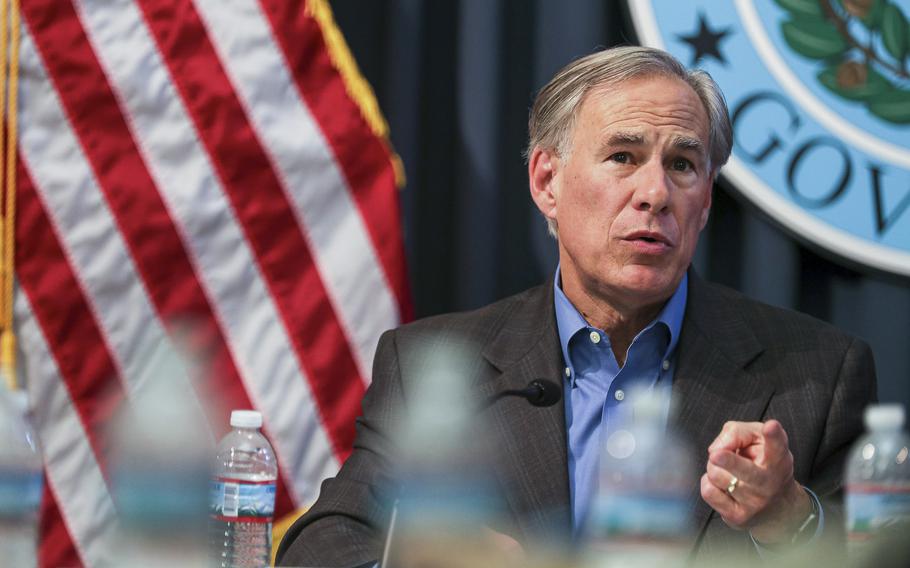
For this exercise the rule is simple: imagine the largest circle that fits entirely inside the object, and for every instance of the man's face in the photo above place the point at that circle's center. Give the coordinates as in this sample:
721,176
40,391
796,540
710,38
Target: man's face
632,193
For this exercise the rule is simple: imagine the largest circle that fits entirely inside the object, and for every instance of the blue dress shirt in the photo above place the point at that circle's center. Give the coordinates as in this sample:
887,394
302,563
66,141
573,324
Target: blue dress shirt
596,387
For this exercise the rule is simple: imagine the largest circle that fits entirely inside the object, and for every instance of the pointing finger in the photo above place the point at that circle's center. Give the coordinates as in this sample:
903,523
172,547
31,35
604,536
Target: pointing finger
776,444
736,435
774,434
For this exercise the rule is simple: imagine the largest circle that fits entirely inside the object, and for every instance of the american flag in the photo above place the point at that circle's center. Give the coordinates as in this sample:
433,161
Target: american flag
213,161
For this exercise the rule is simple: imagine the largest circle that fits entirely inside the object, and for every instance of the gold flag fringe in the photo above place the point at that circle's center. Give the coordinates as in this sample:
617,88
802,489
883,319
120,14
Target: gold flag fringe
9,86
355,84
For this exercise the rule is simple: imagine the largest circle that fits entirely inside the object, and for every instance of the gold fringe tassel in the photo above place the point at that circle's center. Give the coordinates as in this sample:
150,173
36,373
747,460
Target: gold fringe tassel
355,84
9,86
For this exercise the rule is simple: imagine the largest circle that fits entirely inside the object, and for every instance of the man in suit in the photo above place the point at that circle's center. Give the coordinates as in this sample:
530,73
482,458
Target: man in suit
625,145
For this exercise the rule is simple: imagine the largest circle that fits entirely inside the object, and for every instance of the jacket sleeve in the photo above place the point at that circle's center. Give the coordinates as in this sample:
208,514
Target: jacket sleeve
854,390
346,525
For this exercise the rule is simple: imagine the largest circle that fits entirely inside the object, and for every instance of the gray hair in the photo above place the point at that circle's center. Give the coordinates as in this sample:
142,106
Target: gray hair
552,118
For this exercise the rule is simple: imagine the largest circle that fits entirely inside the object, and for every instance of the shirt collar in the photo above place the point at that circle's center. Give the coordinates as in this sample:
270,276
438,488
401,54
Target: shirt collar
569,320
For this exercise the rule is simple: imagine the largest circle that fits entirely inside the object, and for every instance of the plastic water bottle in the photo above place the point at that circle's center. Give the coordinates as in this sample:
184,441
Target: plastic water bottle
243,494
878,480
21,482
641,510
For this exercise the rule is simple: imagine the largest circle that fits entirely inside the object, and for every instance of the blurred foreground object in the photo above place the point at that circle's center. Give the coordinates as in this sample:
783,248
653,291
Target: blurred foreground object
446,500
878,483
161,477
242,501
21,481
642,510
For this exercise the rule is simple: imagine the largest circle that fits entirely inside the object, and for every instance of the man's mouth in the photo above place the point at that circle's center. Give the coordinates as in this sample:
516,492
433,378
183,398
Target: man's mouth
650,237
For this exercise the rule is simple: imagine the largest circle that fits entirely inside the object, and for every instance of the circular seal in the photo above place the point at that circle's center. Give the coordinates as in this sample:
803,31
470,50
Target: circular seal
819,96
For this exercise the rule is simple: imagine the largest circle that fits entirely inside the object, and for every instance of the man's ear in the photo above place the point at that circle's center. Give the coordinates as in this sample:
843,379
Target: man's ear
542,171
706,209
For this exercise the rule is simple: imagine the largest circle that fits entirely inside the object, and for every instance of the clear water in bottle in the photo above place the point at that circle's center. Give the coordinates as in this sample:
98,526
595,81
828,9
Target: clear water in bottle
243,494
878,479
21,482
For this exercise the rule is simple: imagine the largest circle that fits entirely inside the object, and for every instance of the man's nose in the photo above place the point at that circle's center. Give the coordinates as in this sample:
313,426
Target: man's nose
652,192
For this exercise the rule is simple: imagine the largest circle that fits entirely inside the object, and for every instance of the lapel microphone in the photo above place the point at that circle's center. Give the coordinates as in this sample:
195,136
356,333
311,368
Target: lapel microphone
539,392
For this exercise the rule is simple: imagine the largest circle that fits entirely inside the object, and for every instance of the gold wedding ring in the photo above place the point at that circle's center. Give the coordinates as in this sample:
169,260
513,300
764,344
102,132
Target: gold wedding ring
732,487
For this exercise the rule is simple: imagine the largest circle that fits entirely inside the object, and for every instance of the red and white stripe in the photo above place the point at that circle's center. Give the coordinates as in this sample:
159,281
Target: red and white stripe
194,162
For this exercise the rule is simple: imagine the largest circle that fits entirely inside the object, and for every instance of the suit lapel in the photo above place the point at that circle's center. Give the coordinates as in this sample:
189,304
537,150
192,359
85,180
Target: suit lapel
533,456
712,384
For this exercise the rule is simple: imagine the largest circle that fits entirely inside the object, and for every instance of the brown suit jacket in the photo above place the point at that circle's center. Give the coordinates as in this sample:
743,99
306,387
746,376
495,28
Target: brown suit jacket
738,360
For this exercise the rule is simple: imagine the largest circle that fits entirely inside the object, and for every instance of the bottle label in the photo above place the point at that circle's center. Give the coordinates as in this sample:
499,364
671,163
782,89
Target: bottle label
20,492
246,501
872,508
638,516
161,496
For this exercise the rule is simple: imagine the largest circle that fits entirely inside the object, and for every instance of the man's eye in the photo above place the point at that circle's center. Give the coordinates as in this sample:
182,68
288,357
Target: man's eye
682,165
621,157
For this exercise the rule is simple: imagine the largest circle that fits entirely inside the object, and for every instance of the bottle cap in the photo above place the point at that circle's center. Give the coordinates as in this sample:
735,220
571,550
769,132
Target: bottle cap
246,419
884,416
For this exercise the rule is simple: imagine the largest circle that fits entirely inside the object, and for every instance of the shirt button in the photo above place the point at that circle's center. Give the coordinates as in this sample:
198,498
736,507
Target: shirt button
665,365
619,395
568,372
595,337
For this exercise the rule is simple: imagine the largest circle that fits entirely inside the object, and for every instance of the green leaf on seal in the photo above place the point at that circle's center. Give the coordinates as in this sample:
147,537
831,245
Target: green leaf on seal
802,7
869,12
892,106
873,19
816,39
875,85
895,35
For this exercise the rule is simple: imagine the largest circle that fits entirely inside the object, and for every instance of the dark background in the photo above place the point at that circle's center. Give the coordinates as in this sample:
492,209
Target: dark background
455,80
